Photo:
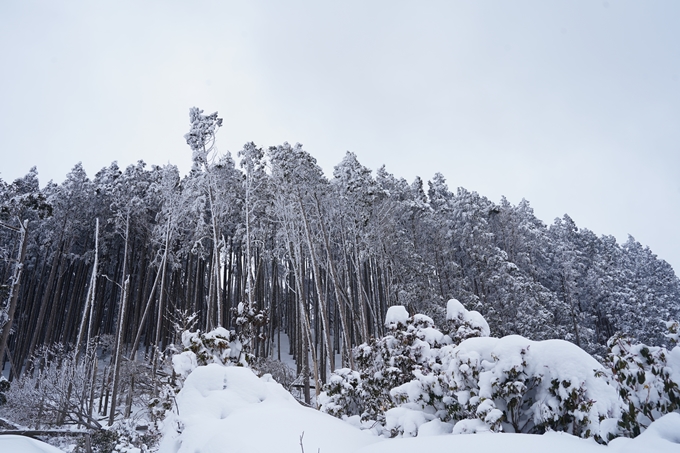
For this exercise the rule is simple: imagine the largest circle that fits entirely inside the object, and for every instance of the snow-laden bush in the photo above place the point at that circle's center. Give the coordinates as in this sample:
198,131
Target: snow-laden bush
673,334
518,385
416,375
4,388
384,364
462,324
217,346
342,395
512,384
648,380
430,392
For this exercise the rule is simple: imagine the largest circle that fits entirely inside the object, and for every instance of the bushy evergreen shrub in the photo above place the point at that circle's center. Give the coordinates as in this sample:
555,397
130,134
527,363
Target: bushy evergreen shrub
646,382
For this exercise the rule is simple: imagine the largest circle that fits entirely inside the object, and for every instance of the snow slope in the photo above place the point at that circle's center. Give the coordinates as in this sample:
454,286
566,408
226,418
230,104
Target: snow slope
19,444
229,409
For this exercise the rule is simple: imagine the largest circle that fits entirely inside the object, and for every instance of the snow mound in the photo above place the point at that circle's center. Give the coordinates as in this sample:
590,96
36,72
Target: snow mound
230,409
21,444
395,315
666,428
662,436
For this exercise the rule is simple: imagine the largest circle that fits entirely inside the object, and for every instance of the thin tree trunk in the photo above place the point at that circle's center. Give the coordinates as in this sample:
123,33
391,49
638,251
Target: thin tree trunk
121,323
14,291
89,299
339,295
319,287
118,354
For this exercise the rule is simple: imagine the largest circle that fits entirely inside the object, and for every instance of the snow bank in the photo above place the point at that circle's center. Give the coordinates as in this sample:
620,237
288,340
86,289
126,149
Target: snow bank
230,409
662,436
674,363
20,444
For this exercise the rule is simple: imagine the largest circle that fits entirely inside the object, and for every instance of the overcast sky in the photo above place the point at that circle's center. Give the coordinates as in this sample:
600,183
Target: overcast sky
573,105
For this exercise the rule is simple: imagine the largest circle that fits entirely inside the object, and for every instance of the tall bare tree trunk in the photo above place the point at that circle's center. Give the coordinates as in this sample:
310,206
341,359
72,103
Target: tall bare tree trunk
216,252
159,273
118,353
340,297
121,323
14,291
89,300
319,288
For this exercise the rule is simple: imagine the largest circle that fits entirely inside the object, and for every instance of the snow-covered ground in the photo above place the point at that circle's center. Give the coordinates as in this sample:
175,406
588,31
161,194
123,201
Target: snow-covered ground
21,444
229,409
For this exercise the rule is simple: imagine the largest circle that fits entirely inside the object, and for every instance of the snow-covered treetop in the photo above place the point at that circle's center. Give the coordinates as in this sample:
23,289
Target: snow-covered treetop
455,311
395,315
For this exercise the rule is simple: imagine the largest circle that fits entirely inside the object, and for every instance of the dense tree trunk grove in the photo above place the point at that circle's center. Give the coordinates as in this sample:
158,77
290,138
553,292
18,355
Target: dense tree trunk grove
125,259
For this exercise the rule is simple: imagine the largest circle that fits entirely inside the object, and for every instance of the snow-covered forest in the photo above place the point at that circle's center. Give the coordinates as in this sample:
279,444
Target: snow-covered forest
387,303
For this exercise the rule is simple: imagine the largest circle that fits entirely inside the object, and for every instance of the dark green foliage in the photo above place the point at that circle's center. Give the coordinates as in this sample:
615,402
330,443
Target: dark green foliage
103,441
645,382
4,388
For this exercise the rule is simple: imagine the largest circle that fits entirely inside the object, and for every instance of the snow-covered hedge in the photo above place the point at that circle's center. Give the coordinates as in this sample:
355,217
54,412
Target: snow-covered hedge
464,381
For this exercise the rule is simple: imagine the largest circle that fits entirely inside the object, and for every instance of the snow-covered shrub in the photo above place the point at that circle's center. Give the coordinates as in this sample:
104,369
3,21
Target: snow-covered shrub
647,383
102,441
342,394
462,324
416,375
217,346
409,346
518,385
429,392
673,334
4,387
278,370
389,362
405,421
250,321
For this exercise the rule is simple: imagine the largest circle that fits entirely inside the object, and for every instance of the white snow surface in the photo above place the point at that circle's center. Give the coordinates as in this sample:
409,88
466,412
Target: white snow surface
229,409
11,443
456,310
396,314
674,363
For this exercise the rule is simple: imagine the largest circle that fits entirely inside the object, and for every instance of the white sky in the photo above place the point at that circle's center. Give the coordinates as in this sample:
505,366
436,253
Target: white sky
573,105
